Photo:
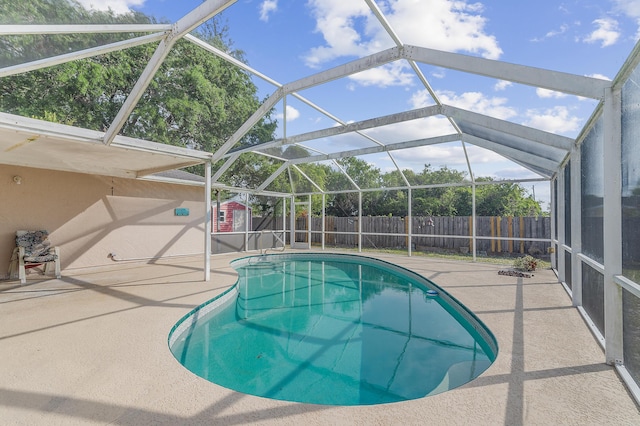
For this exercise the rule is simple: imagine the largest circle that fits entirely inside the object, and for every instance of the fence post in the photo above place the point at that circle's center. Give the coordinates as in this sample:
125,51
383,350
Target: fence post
499,232
510,233
493,234
521,234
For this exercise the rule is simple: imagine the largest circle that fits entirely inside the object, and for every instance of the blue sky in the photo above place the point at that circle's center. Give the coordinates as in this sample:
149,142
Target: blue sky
289,39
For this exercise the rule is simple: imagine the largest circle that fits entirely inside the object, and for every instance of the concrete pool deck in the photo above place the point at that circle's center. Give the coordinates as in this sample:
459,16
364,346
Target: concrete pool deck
91,348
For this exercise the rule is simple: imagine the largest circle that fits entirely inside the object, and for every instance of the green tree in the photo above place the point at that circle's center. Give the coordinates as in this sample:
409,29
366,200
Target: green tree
505,199
195,100
364,175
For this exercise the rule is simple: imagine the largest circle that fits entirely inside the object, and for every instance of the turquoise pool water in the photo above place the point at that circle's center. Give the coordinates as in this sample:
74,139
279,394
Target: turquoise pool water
333,329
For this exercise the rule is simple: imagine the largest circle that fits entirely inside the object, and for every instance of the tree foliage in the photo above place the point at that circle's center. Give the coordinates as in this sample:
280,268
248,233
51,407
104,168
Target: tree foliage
195,99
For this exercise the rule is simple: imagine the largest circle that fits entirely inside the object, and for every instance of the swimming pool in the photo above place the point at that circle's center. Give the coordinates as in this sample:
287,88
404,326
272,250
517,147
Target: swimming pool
333,329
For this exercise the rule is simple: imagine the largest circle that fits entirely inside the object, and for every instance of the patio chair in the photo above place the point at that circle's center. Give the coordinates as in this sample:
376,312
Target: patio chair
33,249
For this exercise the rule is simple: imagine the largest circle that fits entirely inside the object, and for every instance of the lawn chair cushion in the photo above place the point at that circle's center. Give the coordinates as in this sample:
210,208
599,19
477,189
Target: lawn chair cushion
37,247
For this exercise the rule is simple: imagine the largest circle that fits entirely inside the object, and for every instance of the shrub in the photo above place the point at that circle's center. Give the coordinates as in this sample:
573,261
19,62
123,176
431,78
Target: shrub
525,263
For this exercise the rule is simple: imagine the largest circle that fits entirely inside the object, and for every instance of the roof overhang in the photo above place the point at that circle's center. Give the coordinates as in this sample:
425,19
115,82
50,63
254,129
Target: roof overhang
41,144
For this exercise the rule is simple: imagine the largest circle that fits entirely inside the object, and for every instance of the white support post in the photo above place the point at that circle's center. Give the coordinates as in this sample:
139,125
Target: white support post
292,222
561,218
576,226
284,222
612,227
410,219
309,220
207,221
247,218
324,204
359,221
473,220
554,213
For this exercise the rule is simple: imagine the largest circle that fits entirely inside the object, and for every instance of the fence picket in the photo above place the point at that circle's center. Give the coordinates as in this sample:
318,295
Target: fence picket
378,230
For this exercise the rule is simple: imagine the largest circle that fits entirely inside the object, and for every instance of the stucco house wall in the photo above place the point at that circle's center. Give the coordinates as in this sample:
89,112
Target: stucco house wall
91,216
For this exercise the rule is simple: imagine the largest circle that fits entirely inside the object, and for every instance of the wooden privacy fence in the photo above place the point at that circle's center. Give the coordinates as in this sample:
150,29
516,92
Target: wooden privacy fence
494,234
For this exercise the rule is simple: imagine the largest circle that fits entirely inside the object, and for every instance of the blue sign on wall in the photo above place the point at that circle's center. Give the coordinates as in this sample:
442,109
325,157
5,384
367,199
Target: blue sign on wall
182,211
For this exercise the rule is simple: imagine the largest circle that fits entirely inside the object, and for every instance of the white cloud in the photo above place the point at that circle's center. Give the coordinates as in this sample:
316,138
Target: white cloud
266,8
350,29
336,21
442,24
606,33
546,93
629,7
600,76
478,102
502,85
411,130
553,33
421,99
394,74
554,120
436,155
119,7
451,155
292,114
439,73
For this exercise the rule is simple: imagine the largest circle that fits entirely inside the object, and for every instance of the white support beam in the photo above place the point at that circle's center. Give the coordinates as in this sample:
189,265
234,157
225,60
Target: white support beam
367,124
273,177
247,125
466,158
576,226
82,29
503,126
224,167
193,19
245,67
293,187
81,54
207,221
418,72
224,55
134,144
307,178
377,149
138,89
526,159
587,87
612,227
546,174
561,267
414,187
353,182
274,157
398,169
149,171
344,70
351,127
28,125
